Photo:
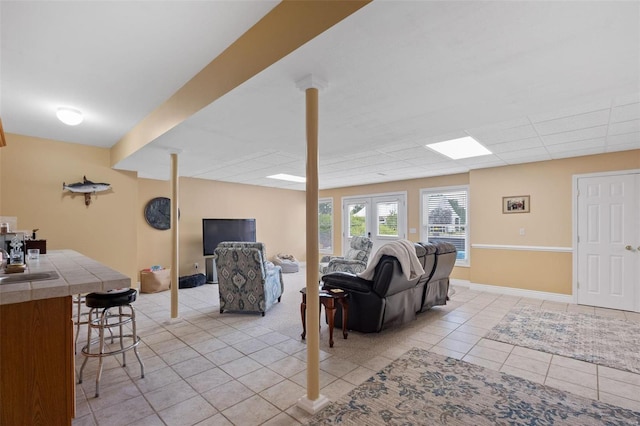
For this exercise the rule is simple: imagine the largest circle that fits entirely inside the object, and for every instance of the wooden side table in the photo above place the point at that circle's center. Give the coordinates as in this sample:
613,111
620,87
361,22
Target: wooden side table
327,299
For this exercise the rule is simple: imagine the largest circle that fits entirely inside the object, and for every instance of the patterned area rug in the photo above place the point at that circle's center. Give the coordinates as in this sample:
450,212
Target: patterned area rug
600,340
422,388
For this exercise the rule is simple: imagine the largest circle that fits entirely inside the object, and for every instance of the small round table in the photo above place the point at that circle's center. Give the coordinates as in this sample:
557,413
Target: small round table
327,299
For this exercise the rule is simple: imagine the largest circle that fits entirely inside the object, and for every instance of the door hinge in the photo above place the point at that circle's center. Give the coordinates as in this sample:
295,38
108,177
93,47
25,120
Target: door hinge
578,284
578,238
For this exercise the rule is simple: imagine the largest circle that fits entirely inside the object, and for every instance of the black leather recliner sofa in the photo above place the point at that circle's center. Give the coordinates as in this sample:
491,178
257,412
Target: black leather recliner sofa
391,299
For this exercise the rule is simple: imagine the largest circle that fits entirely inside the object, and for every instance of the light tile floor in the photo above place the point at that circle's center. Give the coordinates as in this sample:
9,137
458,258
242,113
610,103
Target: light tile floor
207,368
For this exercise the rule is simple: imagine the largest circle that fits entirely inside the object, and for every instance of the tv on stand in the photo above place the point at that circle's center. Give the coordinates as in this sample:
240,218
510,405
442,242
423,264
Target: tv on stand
215,231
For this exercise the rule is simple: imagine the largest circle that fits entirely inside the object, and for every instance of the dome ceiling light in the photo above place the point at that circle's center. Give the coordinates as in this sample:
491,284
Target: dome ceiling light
69,116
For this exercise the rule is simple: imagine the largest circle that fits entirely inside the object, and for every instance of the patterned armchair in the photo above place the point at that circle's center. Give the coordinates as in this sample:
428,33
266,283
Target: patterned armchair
247,282
355,261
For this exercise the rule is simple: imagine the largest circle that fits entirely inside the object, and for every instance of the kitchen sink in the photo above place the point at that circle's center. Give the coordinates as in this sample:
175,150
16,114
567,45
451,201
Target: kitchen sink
34,276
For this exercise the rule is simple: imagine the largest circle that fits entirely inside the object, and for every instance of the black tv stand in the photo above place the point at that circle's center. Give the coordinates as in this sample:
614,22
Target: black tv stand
210,270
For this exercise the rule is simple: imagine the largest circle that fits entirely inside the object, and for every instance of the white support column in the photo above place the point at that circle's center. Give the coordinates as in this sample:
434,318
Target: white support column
312,402
175,258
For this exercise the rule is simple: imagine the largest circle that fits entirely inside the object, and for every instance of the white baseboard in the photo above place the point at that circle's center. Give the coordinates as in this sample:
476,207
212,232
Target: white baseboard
517,292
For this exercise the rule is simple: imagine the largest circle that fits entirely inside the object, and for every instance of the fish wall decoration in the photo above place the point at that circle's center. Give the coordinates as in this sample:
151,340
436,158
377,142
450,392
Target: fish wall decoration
87,188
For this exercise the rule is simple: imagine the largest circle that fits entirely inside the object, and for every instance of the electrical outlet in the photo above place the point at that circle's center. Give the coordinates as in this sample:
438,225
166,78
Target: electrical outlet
521,231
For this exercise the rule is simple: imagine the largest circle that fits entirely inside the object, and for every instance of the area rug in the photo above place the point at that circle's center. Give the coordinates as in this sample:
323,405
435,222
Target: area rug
611,342
423,388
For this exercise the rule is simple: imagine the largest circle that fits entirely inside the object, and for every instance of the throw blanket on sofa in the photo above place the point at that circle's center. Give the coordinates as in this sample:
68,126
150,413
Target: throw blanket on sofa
404,251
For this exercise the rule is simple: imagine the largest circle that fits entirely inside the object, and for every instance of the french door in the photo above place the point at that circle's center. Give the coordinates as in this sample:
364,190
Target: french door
382,218
608,215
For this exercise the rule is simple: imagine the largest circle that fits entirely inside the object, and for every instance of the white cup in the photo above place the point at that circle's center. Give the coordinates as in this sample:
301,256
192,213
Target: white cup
33,254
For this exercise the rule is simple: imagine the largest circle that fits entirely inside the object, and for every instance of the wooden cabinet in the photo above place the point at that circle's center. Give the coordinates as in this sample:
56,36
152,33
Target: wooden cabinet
37,376
36,244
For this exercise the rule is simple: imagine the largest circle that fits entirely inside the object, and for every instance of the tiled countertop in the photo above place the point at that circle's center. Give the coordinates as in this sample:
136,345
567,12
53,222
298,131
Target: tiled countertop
78,274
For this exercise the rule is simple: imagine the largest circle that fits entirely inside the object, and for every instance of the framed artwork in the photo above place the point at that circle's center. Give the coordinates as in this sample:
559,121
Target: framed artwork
516,204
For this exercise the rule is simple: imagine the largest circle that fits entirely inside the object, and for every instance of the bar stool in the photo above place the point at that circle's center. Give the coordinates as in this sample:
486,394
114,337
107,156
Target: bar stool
101,317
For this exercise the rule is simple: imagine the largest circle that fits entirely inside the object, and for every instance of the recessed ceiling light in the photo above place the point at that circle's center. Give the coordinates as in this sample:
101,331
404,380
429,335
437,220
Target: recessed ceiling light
290,178
456,149
69,116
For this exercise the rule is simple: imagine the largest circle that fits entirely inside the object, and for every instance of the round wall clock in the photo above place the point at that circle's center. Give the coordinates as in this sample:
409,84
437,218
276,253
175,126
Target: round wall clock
157,212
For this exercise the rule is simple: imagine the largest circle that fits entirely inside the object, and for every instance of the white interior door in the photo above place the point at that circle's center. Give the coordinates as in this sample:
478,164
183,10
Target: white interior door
609,241
382,218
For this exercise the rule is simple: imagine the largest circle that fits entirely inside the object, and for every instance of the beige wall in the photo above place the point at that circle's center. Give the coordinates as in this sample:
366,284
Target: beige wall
112,229
548,225
31,175
279,214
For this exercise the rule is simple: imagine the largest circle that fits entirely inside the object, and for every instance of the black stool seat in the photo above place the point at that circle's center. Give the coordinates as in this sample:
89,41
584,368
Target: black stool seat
111,298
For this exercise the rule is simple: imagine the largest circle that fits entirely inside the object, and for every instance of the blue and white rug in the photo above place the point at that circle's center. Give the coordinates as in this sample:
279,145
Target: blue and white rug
423,388
611,342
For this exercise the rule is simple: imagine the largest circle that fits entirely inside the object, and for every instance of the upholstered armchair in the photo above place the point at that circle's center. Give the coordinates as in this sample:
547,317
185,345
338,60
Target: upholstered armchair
355,261
247,282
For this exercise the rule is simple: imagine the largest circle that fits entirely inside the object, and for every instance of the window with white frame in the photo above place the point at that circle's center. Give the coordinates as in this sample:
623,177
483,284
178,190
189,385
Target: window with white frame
444,217
325,225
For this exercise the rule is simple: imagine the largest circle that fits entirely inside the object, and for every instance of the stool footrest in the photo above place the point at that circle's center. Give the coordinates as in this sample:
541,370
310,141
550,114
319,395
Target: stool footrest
86,352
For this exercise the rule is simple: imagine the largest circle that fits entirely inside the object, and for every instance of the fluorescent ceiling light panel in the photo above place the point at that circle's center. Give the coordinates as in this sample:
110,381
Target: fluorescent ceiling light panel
290,178
456,149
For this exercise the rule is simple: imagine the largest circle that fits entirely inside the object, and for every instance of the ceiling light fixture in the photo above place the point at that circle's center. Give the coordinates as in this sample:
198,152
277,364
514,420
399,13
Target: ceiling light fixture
69,116
290,178
456,149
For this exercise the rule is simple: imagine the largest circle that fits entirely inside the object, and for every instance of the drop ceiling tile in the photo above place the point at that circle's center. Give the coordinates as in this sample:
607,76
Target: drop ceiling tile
471,162
627,99
625,113
441,138
448,171
442,164
489,165
391,165
534,142
415,153
623,127
588,108
390,149
575,122
336,166
505,135
575,135
623,147
491,128
524,154
529,159
589,144
577,153
624,139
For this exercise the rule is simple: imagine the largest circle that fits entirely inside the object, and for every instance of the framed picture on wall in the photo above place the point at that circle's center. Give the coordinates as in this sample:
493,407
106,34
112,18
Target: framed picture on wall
516,204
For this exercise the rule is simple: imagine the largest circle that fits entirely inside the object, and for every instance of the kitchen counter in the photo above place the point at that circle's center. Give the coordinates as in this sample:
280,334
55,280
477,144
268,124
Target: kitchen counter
37,363
77,274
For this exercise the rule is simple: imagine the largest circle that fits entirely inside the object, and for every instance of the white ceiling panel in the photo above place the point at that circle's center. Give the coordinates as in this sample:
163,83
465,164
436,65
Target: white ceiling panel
516,145
575,135
627,138
574,122
632,126
585,145
537,153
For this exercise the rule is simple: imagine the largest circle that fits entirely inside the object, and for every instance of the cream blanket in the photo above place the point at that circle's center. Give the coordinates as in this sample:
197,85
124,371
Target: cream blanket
404,251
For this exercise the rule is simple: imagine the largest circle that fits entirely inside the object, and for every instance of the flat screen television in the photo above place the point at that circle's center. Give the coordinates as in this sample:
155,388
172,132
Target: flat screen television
215,231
